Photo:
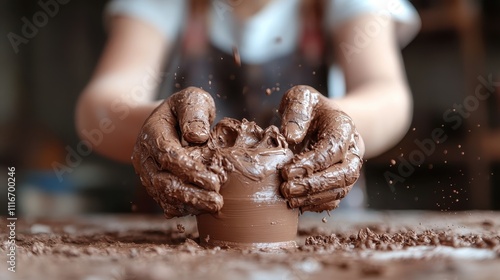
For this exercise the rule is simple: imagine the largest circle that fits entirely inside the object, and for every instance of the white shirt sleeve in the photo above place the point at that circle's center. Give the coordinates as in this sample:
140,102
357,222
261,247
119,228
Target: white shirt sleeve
165,15
400,11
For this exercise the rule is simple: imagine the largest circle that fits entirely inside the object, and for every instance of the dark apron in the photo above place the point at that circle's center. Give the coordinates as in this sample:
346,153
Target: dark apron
249,91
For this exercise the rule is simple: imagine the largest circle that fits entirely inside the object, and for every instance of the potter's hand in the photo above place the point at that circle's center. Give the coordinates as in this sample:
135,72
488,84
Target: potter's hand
324,172
171,166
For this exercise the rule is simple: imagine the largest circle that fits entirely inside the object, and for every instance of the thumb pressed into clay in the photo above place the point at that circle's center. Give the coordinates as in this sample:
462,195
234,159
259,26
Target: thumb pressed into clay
297,109
195,111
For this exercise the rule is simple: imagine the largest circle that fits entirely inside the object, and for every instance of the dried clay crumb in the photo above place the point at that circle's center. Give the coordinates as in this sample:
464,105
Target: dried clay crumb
181,228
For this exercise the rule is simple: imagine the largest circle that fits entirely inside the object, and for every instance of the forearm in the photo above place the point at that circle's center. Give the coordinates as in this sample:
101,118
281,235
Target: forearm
121,93
378,97
111,125
382,112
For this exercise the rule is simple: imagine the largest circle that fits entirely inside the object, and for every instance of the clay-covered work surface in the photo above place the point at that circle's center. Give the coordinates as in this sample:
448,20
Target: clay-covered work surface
346,245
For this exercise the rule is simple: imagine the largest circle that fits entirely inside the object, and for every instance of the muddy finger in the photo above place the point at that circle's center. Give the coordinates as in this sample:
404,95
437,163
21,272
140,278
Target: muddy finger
337,176
335,136
195,111
318,198
322,207
296,109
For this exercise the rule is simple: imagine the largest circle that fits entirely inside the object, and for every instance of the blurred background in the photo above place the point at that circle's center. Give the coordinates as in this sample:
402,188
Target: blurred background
457,50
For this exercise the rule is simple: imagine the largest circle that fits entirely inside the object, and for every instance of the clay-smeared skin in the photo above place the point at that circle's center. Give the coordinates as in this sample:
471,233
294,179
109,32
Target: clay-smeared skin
176,175
184,174
320,176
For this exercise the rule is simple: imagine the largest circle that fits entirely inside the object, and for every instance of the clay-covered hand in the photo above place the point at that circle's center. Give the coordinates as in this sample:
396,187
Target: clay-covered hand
170,160
329,161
